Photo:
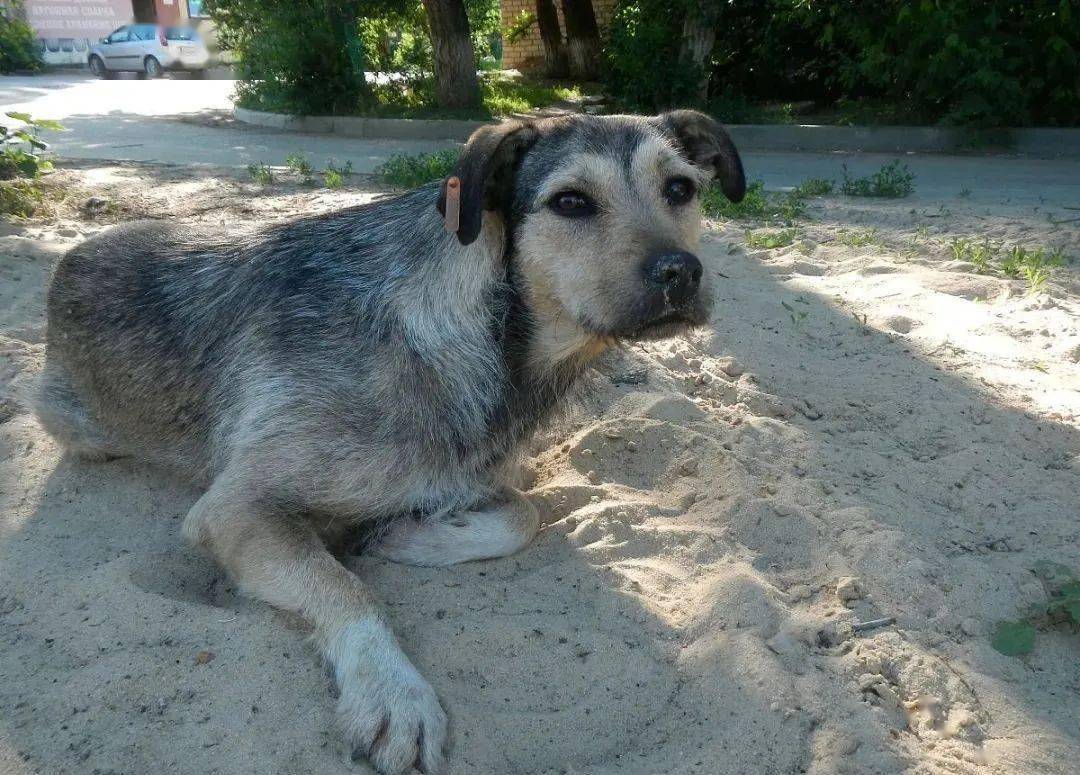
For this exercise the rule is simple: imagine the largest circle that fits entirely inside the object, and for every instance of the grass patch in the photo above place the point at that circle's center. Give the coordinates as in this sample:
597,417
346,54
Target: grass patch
412,170
758,204
893,181
770,240
814,187
981,254
501,95
1034,265
858,238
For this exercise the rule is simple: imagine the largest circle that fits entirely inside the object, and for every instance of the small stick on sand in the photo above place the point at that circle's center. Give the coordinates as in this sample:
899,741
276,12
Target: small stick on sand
873,624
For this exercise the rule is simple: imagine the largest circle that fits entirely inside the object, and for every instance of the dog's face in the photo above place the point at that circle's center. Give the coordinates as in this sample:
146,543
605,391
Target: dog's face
605,215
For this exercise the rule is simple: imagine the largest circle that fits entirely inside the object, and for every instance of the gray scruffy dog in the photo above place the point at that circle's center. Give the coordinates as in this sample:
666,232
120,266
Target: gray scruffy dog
379,364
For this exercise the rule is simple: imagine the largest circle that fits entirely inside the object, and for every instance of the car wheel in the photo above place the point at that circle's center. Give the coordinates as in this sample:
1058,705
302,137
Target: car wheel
97,67
152,68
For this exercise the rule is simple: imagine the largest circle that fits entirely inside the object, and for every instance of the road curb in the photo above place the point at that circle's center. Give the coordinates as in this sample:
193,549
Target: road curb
1039,142
368,128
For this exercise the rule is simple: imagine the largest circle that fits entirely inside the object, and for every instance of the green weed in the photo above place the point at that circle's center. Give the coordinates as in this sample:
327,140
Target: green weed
22,161
1061,609
261,174
333,179
770,240
797,316
20,197
893,181
814,187
298,163
411,171
334,176
858,239
757,204
1035,266
21,149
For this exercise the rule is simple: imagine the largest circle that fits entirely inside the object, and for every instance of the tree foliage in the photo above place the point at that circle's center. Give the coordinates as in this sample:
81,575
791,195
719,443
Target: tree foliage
18,41
970,62
300,56
310,56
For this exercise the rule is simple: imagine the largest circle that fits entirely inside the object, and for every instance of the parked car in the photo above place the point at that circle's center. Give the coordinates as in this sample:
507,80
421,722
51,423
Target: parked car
149,49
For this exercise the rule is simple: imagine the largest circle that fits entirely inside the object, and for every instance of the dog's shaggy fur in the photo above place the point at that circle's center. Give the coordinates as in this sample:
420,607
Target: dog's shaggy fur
368,366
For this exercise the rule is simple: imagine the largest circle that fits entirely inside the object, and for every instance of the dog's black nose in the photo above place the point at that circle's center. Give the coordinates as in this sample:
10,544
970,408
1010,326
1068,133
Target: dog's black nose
676,272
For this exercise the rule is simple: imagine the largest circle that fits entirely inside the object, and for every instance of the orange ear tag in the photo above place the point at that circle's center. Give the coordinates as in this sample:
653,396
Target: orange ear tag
453,204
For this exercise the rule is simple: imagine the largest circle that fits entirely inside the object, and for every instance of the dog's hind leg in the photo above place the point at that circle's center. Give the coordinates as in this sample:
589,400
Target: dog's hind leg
67,419
497,529
386,709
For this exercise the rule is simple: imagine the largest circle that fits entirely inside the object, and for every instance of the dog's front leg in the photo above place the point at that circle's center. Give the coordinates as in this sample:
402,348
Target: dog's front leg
388,712
496,528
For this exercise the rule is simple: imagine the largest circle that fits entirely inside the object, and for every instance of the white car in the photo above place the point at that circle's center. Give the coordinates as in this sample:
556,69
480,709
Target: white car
148,49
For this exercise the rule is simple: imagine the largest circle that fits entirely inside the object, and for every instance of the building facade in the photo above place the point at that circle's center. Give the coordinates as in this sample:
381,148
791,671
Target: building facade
527,53
65,28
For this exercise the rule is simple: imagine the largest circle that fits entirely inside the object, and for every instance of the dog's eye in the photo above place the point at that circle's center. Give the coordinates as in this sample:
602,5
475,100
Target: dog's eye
679,191
572,204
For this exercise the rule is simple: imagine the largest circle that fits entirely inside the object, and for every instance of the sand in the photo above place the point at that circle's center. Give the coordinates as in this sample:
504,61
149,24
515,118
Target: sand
721,508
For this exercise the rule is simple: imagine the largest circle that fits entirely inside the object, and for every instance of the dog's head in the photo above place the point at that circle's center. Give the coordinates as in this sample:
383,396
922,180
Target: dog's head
603,213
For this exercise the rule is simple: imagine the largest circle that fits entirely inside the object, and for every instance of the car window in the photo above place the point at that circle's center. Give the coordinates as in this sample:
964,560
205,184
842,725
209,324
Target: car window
120,36
180,33
143,32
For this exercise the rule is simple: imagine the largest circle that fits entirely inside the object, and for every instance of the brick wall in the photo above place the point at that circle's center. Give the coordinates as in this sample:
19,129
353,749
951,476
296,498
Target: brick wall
528,53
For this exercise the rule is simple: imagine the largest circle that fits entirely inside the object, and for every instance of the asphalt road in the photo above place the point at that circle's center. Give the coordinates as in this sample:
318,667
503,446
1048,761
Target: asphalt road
181,121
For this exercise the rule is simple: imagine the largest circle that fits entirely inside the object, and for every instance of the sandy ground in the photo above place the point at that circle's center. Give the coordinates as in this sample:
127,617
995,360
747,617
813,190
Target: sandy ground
902,442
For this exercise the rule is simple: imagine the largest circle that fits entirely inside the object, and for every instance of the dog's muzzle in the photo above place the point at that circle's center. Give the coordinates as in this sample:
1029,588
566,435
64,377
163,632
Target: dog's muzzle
676,274
672,282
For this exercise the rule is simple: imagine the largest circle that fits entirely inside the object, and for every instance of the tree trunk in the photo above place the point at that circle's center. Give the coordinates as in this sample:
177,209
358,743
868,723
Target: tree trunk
698,37
547,19
582,38
456,83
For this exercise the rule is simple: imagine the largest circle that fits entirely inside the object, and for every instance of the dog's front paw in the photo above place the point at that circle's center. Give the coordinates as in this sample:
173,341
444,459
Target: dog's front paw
388,712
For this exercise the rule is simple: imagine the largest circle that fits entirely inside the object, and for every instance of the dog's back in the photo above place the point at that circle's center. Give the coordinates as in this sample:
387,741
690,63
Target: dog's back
137,320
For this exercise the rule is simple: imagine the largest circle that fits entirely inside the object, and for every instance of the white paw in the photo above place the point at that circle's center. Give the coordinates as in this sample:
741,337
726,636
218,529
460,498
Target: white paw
497,531
387,711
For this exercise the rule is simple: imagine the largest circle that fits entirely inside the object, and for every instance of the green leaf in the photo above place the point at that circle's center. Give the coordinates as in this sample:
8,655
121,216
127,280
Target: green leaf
48,123
19,116
1013,638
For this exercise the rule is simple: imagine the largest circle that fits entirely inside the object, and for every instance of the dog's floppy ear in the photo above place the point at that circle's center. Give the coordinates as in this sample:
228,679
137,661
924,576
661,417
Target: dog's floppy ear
485,176
702,140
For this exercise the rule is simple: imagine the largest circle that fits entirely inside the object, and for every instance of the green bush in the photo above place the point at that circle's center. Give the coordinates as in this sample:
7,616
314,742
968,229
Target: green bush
969,62
298,57
18,42
643,34
980,63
